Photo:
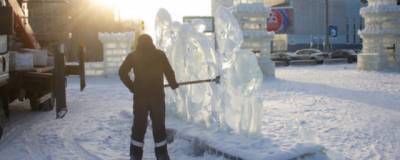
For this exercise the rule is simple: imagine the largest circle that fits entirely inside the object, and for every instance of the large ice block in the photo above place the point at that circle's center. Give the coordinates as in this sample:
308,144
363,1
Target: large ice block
21,61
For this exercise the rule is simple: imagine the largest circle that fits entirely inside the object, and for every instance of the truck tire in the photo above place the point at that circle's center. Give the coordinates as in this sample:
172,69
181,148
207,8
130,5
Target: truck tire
2,117
319,61
34,102
287,63
1,132
47,105
350,60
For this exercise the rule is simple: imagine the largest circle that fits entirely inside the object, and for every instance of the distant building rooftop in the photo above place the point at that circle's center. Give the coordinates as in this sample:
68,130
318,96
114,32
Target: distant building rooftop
278,3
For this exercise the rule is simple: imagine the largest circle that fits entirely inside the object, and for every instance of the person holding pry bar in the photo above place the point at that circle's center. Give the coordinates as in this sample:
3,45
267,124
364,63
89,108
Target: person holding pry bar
149,66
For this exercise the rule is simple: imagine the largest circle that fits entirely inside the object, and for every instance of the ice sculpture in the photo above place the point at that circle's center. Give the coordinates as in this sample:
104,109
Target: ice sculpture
233,104
381,36
252,17
163,21
228,31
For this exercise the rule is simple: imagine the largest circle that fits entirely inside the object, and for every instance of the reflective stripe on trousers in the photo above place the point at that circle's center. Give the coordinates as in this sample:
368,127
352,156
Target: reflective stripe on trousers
141,145
137,143
160,144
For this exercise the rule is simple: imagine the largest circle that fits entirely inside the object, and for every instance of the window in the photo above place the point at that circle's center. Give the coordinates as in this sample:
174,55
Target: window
364,2
347,32
3,44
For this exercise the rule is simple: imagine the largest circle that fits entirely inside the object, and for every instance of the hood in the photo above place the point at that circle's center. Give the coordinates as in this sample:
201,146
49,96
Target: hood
145,44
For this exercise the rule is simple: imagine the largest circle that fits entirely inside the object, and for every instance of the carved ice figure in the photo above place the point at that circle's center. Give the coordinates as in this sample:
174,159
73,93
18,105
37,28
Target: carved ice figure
231,105
163,29
192,58
242,76
199,63
228,32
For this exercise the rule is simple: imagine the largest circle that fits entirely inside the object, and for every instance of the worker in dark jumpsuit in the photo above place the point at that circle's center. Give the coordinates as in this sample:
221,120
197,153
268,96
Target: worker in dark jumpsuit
149,66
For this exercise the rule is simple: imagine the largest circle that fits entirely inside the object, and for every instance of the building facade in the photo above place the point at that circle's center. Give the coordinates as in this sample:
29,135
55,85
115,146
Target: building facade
230,3
306,23
310,26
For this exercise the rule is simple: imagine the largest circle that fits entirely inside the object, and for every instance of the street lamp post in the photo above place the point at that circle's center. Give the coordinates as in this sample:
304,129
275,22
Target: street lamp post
327,41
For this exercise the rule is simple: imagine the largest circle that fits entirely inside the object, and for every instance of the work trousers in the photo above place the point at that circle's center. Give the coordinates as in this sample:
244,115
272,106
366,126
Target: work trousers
142,108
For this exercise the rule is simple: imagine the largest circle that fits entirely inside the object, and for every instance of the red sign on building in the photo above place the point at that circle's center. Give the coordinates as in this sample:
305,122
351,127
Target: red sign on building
280,20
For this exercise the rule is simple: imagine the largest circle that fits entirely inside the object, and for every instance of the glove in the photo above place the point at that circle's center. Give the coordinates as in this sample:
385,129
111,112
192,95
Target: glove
132,89
174,86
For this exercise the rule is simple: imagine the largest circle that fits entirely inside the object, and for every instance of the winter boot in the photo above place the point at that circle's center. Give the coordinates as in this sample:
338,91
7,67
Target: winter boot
162,153
1,132
136,153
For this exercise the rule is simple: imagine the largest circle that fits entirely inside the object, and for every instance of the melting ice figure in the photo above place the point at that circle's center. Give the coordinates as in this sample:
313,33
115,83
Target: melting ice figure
232,105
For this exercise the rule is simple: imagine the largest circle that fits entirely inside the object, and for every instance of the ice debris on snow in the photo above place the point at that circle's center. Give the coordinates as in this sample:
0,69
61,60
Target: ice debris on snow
232,105
241,147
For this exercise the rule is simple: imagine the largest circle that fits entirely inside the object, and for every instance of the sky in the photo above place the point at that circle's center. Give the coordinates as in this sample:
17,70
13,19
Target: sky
147,9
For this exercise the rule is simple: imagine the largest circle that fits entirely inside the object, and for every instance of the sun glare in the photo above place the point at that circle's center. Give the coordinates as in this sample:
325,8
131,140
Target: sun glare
147,9
105,3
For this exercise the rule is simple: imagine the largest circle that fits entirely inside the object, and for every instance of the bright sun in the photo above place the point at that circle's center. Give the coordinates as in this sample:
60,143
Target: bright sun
147,9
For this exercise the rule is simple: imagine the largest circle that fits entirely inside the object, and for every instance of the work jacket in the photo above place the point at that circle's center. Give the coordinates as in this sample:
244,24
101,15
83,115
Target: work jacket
149,67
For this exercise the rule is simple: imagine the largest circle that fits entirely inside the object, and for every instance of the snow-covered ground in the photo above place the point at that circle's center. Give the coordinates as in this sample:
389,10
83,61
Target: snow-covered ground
353,114
98,126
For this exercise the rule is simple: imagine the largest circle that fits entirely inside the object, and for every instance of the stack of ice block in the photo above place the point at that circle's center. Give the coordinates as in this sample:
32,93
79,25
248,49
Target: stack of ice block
116,46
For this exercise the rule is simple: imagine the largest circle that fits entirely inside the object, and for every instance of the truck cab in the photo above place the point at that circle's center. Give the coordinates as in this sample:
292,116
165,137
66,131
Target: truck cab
26,71
4,76
4,67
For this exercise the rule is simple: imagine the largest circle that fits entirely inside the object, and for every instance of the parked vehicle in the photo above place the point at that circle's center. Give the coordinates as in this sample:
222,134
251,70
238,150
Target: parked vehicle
308,54
357,51
25,74
2,117
280,57
349,55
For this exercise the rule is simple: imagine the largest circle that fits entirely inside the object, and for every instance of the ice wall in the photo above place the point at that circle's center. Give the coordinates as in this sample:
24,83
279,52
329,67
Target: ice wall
116,46
231,105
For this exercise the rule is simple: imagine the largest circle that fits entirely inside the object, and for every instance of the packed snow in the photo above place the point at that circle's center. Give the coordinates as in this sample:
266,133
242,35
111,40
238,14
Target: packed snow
98,126
351,114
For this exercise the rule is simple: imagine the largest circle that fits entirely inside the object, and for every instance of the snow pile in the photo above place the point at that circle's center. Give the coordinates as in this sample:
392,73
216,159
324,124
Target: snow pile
232,105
